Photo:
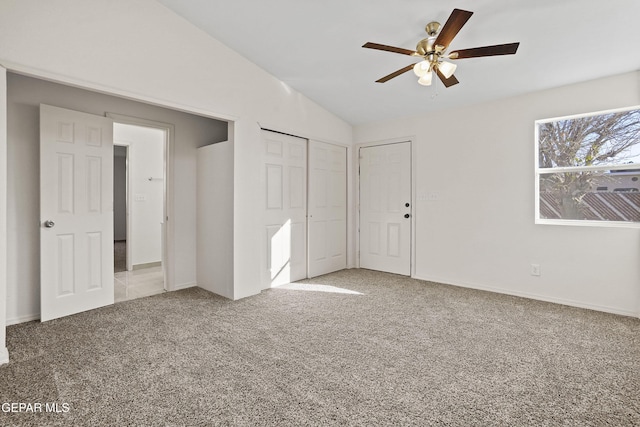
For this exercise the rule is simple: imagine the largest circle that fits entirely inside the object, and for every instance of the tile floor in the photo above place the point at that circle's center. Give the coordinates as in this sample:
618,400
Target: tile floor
138,283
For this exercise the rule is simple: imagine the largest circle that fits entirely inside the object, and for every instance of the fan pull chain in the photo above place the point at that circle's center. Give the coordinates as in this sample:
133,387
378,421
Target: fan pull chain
435,88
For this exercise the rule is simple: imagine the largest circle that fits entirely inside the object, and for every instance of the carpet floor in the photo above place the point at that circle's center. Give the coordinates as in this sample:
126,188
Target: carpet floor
354,347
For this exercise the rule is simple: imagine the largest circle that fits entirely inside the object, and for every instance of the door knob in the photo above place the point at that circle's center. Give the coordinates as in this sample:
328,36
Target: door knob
49,224
406,215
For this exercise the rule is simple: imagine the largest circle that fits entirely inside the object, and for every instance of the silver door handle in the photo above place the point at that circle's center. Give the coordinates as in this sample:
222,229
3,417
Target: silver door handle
49,224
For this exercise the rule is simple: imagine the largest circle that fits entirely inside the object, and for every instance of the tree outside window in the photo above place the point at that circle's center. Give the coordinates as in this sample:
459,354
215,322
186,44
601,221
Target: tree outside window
588,168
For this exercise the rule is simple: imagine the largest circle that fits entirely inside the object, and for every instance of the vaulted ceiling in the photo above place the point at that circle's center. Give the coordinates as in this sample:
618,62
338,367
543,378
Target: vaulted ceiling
315,47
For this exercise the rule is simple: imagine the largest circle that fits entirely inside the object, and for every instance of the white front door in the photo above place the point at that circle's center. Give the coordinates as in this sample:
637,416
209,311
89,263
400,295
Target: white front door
285,208
327,208
76,212
385,208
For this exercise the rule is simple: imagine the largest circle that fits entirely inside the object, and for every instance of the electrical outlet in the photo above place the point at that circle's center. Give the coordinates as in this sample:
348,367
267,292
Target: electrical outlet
535,269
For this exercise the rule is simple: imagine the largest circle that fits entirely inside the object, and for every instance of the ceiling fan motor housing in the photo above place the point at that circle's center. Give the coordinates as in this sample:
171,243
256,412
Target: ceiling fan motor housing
425,46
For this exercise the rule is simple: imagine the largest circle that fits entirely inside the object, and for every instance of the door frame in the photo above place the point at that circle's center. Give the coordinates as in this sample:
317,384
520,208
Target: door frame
356,157
168,249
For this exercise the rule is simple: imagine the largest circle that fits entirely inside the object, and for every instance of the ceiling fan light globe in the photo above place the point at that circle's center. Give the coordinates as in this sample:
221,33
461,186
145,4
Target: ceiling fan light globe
447,69
425,80
421,68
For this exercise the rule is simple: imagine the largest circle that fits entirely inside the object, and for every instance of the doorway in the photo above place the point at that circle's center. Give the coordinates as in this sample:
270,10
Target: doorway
139,209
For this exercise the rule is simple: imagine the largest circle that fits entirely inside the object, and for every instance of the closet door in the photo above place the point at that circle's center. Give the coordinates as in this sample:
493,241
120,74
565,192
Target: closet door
327,208
285,208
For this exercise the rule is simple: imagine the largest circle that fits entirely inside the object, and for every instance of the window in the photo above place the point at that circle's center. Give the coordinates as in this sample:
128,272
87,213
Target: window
587,169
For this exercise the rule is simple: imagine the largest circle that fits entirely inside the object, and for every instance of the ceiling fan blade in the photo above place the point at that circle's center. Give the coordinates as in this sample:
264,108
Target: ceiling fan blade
499,49
378,46
395,74
447,81
456,21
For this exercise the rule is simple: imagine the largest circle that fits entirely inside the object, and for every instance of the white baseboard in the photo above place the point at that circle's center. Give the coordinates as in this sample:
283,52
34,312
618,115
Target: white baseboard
23,319
562,301
4,355
36,316
184,286
146,265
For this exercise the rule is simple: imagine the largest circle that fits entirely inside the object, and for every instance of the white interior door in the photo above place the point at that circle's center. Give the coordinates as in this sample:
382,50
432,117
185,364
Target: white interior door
285,208
327,208
76,212
385,208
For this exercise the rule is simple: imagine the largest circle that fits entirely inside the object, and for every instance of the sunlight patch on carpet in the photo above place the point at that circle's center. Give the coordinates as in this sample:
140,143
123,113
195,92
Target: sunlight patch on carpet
316,288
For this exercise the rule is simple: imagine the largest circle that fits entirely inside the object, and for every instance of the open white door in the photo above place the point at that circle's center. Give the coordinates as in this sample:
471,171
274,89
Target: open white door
285,209
385,208
327,208
76,212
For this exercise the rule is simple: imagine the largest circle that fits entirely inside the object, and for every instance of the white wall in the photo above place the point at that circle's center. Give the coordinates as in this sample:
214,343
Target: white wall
140,49
480,232
4,355
214,217
24,96
146,207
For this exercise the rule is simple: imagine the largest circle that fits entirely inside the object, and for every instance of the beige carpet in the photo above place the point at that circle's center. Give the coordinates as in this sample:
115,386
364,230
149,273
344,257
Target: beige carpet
351,348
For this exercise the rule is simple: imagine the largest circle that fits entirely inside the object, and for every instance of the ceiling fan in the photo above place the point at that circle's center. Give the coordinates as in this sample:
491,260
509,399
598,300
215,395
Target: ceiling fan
433,50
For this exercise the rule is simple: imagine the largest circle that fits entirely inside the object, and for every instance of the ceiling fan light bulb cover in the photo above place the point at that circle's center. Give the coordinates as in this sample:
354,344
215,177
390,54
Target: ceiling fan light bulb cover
425,80
447,69
421,68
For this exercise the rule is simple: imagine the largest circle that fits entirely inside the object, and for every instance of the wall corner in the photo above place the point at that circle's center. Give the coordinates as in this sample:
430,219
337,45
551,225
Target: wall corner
4,354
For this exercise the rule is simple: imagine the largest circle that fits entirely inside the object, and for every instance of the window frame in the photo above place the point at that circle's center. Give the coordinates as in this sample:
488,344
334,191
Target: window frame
538,171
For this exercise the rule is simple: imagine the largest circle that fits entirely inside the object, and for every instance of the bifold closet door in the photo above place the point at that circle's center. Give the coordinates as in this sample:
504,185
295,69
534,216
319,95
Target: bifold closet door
285,209
327,208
